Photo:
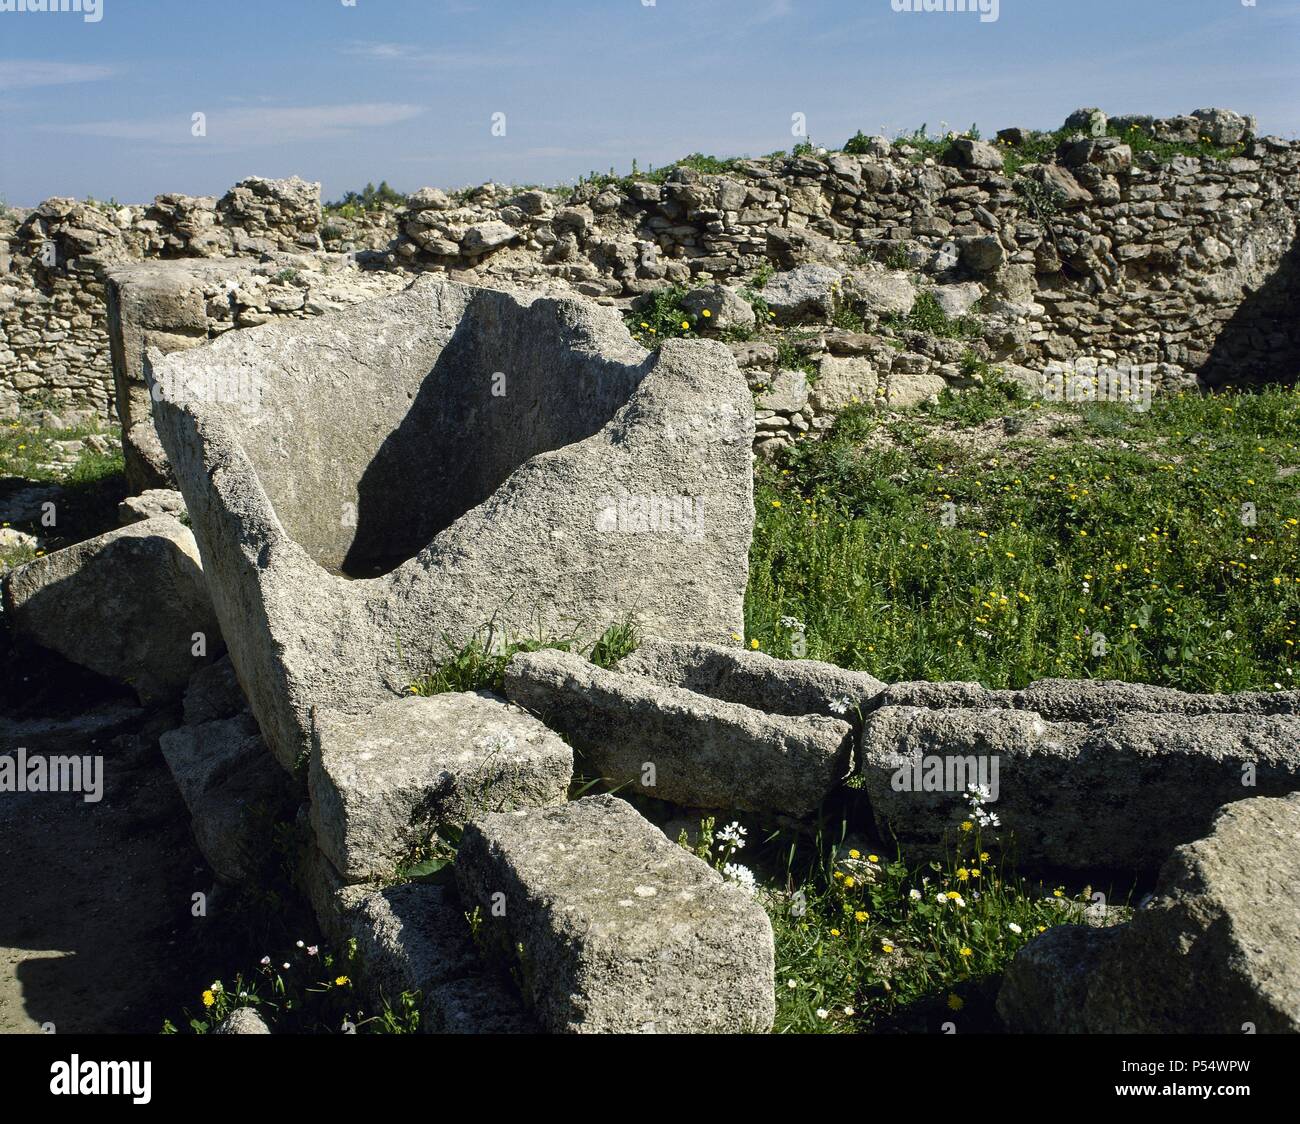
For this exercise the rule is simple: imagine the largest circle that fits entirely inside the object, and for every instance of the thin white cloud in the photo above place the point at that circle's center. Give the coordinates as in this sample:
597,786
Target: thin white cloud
414,55
777,9
249,127
25,74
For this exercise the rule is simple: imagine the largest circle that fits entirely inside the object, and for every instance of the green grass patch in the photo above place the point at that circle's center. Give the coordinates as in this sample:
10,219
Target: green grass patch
927,315
1102,542
480,664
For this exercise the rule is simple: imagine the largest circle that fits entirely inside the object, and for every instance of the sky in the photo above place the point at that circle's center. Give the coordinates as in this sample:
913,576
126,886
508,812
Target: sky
455,92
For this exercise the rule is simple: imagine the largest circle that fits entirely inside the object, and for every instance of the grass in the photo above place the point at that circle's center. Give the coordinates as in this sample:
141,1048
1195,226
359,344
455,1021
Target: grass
1102,542
988,537
927,315
306,990
92,485
863,942
480,663
865,945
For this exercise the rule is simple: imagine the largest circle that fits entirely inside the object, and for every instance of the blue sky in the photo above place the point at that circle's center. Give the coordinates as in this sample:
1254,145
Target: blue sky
406,90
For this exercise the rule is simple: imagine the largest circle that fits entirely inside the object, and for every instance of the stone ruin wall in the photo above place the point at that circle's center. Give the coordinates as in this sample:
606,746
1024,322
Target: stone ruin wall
1189,263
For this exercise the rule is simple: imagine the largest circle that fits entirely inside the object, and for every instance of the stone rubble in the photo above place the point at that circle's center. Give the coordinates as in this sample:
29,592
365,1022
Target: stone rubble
1093,252
1065,791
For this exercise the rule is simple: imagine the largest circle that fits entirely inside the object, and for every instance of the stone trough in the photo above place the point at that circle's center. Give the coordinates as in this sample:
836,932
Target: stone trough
372,487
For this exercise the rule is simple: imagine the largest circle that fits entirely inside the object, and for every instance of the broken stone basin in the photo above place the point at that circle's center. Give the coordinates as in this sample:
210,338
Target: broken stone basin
371,487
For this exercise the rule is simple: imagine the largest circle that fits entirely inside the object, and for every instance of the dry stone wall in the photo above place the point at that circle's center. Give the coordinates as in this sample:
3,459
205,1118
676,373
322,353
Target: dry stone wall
1091,251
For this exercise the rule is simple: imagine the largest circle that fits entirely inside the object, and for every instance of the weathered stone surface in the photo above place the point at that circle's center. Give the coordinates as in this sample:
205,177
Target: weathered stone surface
983,253
384,782
1046,988
17,540
1087,700
1062,187
967,153
487,236
1105,154
333,901
415,937
232,788
885,293
807,292
412,937
704,752
844,382
1223,126
126,604
1118,793
910,388
957,300
527,517
149,504
787,394
159,305
1216,950
242,1020
612,928
726,308
756,680
480,1004
213,693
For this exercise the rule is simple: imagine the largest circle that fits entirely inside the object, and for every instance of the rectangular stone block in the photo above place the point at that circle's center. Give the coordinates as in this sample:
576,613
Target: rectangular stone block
232,787
1114,793
677,745
384,782
755,679
610,928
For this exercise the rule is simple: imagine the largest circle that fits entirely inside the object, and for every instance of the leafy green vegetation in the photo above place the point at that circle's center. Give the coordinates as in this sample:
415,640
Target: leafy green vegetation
1040,146
308,990
480,664
927,315
1085,541
661,317
92,484
369,198
696,161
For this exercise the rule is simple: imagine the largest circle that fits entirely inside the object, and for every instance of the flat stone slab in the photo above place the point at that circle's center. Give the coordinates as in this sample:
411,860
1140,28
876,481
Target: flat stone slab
1119,793
1086,700
466,455
610,928
676,745
1215,951
756,680
126,604
232,787
382,783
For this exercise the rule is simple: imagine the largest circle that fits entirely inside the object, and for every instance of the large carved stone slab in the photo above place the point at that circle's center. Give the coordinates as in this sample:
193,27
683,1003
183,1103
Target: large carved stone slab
374,485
